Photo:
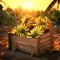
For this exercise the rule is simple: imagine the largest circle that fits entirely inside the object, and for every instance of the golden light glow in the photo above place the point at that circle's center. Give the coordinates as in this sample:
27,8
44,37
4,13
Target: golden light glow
28,4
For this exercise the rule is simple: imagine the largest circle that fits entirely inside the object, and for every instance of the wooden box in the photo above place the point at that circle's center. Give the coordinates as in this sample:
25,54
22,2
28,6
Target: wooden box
36,46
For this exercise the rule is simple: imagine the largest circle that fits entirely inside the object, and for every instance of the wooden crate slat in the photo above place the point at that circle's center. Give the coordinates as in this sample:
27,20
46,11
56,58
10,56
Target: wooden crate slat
45,40
24,41
44,35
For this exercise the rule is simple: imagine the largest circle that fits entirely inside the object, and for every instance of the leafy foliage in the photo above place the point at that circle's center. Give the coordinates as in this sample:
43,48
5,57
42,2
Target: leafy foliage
6,19
54,16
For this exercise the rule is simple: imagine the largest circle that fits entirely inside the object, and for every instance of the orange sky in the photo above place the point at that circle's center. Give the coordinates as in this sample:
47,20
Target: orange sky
28,4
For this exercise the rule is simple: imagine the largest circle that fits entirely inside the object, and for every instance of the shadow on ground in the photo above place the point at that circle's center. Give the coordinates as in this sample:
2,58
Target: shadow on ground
9,55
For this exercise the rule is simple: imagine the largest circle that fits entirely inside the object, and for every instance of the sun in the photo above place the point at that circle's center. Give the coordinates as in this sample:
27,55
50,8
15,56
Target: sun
27,5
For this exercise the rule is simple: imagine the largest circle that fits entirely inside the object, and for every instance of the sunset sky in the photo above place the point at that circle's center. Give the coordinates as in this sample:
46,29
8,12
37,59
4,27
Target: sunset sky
28,4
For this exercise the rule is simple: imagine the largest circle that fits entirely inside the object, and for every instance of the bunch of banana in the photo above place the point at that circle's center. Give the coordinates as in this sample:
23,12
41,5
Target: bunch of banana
35,31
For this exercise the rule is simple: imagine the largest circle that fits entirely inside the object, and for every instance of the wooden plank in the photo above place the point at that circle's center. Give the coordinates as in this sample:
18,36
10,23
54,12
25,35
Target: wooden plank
45,40
45,48
45,43
24,41
44,35
26,48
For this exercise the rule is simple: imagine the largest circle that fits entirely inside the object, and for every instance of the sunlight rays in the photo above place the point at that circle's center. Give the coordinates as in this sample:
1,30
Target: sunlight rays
28,4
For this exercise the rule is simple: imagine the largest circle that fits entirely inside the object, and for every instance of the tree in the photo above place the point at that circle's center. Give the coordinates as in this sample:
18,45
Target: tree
2,1
52,4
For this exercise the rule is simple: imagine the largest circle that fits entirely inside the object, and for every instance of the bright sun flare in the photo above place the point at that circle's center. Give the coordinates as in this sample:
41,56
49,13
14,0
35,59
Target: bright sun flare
27,5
